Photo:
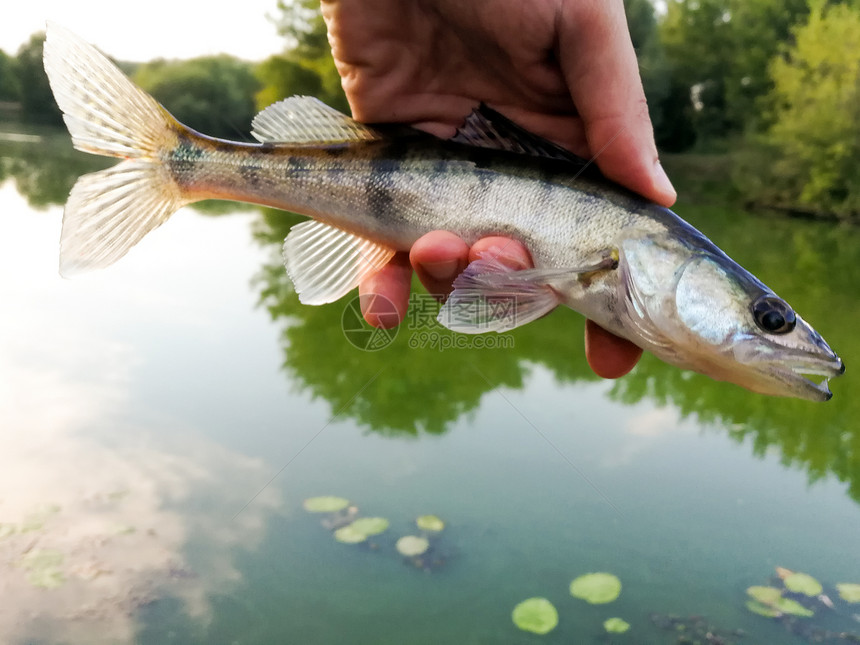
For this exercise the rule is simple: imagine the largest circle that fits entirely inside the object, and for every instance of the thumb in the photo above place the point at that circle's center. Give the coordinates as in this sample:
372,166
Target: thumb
600,67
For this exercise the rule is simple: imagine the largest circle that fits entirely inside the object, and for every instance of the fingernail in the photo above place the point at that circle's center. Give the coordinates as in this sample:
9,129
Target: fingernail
662,182
446,270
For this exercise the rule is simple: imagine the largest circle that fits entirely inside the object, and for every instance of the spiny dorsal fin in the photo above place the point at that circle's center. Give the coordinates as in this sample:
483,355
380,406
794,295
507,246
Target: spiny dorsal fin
305,119
486,128
325,262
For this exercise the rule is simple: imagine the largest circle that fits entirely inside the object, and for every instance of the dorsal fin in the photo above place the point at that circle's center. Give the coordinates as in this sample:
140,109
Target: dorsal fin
486,128
305,119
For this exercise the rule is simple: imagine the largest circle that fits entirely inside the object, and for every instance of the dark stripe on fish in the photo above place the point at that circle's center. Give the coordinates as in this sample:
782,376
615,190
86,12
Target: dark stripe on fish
379,189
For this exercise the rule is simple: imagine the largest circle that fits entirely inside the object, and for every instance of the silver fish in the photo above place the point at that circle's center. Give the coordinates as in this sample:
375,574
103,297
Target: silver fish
633,267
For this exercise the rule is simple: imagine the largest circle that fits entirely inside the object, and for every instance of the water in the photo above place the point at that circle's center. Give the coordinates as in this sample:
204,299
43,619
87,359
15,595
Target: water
163,420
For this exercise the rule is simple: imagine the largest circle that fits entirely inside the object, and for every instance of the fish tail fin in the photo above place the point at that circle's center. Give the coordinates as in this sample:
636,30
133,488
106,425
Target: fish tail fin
109,211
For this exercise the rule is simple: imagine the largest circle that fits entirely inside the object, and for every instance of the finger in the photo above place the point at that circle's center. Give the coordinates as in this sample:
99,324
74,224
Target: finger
384,297
607,354
601,70
511,253
438,257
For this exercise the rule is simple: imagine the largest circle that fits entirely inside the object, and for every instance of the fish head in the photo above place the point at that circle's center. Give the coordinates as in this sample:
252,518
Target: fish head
693,306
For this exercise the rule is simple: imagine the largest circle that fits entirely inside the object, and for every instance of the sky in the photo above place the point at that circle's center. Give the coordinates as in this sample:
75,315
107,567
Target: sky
142,31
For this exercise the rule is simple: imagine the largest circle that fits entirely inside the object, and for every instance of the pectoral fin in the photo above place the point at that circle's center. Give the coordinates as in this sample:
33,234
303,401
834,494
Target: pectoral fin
325,262
489,296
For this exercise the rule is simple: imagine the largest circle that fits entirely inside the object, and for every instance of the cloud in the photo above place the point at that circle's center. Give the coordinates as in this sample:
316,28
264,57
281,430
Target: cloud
98,510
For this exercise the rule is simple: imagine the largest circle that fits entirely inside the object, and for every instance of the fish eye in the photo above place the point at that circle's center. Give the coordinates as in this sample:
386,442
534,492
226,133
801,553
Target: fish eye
773,315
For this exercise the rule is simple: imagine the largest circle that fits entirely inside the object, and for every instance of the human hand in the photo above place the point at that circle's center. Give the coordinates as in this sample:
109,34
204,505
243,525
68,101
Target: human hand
563,69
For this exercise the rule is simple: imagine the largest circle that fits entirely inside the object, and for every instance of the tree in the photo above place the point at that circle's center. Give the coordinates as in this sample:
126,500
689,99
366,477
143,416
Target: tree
667,99
37,100
719,50
9,88
213,94
816,109
307,66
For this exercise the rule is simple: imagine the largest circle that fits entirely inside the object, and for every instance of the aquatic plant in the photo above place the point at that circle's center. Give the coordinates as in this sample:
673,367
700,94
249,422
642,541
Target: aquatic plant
430,523
769,602
849,592
765,595
325,504
803,583
537,615
796,606
616,625
349,535
370,525
43,568
412,546
596,588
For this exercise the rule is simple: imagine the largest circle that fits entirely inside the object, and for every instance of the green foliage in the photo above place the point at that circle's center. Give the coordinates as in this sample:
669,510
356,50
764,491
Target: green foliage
769,602
803,583
719,50
212,94
44,568
325,504
10,89
350,535
596,588
430,523
307,68
37,100
370,525
762,610
615,625
301,24
412,545
765,595
45,172
287,75
849,592
654,68
536,615
816,112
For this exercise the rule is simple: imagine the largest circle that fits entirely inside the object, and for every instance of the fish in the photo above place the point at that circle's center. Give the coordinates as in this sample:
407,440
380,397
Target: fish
635,268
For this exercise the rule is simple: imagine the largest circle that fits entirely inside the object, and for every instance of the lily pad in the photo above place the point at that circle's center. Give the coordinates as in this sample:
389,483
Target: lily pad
596,588
412,545
6,530
41,559
46,578
43,568
789,606
369,525
765,595
537,615
616,625
430,523
348,535
803,583
763,610
36,520
325,504
849,591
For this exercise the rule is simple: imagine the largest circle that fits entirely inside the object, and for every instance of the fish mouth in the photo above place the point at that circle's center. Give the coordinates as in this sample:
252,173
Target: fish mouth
796,374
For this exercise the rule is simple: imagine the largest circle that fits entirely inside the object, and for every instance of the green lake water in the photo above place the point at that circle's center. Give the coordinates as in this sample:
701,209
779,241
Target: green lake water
163,420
